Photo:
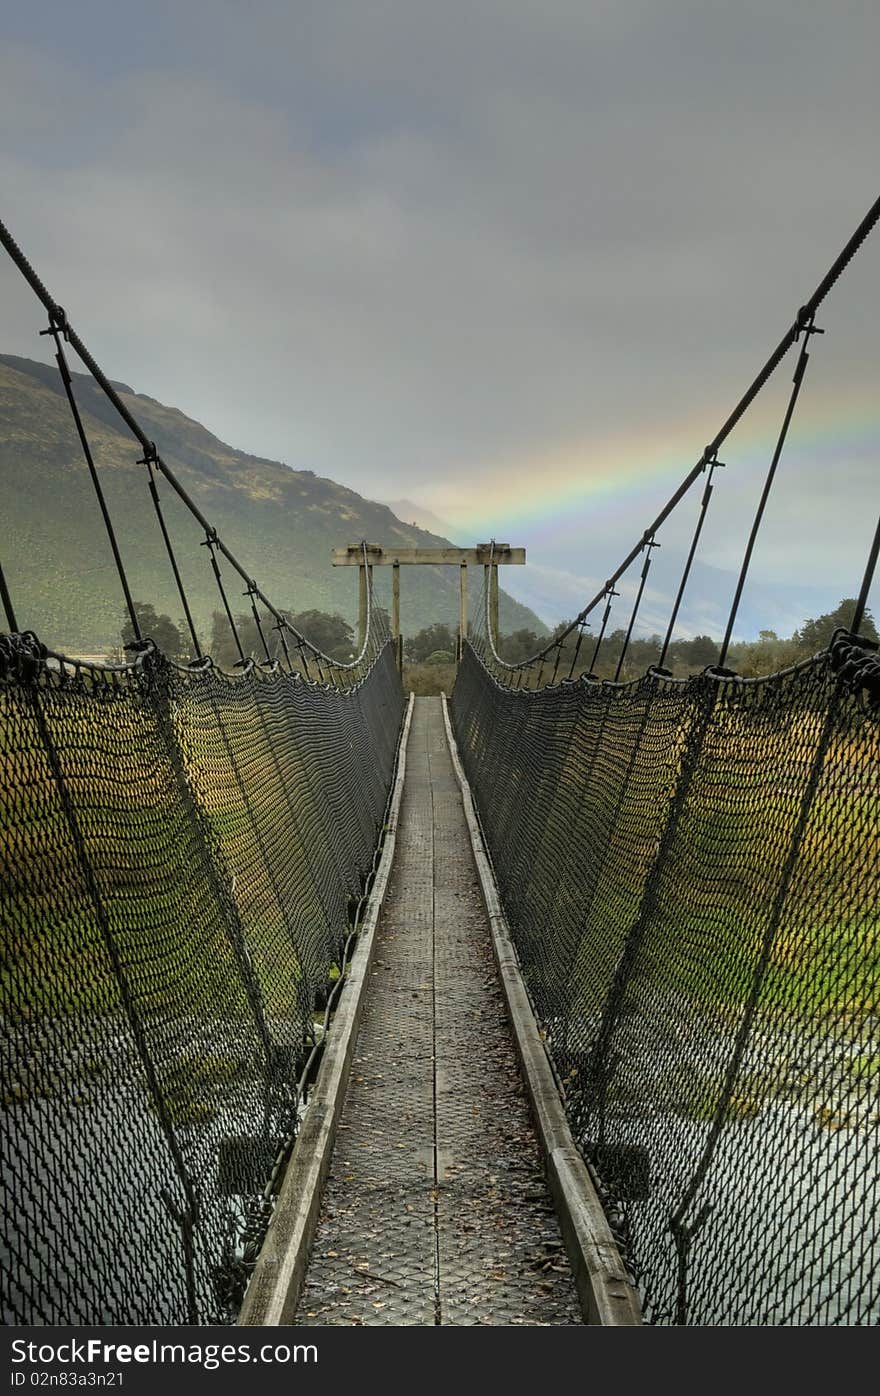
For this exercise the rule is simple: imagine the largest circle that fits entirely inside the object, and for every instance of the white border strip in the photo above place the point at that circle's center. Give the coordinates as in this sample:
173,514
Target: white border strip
607,1295
275,1286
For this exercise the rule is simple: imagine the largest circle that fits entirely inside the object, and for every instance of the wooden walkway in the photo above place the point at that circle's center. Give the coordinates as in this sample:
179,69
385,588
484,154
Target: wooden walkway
435,1209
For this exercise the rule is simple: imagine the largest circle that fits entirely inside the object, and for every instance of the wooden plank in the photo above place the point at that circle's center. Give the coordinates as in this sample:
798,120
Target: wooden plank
503,555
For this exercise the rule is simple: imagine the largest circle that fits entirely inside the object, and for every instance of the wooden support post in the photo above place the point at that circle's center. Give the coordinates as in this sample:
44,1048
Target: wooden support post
462,609
362,606
368,555
395,614
484,618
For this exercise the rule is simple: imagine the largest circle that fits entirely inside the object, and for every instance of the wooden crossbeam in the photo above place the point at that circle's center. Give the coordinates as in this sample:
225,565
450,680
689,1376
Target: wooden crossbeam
503,555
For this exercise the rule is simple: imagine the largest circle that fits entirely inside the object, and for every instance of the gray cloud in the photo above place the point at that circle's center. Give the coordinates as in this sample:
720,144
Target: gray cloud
414,247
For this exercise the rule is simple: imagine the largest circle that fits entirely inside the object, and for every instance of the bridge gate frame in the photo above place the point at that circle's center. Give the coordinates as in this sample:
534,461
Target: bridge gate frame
487,555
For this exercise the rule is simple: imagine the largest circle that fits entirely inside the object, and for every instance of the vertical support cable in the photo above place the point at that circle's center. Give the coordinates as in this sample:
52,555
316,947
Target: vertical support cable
279,626
253,592
610,593
714,464
808,329
555,666
649,544
583,627
868,578
7,605
57,327
149,460
210,543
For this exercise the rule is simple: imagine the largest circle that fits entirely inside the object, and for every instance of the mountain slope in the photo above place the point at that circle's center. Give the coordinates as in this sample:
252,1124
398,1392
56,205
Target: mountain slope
281,522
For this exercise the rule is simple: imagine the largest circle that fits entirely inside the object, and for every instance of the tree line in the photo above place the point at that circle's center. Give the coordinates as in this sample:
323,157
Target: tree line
436,644
765,655
331,634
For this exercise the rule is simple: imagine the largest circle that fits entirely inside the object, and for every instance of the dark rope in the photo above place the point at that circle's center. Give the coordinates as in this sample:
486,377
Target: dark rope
803,318
211,543
149,460
56,329
701,519
280,631
650,545
58,317
610,593
11,622
800,368
582,629
252,593
867,580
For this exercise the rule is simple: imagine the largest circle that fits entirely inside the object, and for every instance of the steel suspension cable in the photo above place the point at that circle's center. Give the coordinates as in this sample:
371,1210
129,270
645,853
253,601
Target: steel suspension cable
283,639
800,370
803,318
582,630
210,543
650,544
610,593
149,461
7,605
867,579
56,329
251,592
701,519
58,317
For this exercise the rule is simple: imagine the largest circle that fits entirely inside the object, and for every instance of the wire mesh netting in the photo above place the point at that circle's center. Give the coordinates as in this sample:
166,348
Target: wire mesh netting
689,869
179,854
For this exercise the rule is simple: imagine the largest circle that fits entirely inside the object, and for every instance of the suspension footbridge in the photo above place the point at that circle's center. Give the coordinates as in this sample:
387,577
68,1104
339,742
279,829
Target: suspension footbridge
553,1003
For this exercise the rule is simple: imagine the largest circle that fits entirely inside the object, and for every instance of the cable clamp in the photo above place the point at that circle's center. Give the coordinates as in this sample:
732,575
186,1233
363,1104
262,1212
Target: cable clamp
805,323
210,539
58,323
150,456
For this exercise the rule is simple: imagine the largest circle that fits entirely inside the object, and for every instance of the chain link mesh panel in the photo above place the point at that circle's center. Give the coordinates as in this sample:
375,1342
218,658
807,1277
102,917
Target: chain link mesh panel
178,854
690,873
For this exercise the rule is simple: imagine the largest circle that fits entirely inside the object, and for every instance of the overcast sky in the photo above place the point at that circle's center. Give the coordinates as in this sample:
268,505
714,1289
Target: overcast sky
514,260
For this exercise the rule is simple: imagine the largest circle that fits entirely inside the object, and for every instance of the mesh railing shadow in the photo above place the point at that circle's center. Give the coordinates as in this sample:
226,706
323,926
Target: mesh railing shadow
690,873
180,851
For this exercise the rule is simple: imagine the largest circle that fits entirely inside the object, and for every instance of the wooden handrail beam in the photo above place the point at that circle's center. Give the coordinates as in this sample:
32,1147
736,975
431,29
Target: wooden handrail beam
503,555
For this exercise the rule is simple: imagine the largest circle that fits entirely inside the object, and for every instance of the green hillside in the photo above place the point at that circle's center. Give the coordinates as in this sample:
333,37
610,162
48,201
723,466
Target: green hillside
281,523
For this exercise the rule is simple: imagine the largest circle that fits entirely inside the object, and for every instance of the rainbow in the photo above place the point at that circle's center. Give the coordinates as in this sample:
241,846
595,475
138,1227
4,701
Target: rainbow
548,497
